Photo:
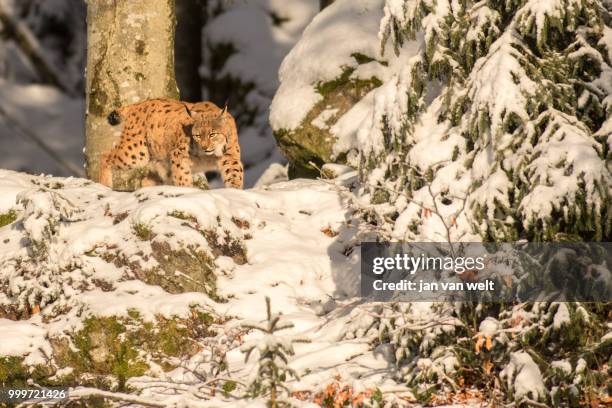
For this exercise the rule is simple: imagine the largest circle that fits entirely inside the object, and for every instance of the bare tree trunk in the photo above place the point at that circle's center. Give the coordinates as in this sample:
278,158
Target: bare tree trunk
188,48
130,58
324,3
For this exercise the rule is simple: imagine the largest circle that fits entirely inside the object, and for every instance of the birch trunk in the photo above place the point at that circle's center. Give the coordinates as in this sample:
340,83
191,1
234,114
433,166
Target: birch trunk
130,58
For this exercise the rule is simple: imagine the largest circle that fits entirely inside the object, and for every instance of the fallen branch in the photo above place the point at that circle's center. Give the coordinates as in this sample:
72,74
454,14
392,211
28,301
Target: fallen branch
28,43
80,393
12,122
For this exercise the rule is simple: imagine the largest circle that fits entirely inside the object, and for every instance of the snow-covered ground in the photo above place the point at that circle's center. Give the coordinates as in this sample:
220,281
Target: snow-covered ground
291,241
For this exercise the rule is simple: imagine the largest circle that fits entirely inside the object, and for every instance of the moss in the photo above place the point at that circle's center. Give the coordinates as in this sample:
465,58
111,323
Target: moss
89,402
226,245
228,387
15,373
183,270
140,47
129,180
326,88
108,351
200,182
143,232
8,218
380,197
104,348
181,215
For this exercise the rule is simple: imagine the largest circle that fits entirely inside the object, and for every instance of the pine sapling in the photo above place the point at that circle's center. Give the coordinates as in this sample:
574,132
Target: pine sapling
273,369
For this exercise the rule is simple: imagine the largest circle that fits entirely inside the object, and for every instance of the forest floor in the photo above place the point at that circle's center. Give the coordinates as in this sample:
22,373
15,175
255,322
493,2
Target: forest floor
145,293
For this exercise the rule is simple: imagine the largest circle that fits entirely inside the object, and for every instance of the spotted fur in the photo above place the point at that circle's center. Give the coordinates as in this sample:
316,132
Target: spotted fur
174,139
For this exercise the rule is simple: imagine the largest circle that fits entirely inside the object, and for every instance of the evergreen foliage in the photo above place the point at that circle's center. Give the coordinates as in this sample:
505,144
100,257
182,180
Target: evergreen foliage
274,352
521,92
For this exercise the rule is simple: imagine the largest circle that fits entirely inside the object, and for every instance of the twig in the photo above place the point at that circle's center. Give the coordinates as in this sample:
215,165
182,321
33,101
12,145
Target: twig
434,210
446,227
533,403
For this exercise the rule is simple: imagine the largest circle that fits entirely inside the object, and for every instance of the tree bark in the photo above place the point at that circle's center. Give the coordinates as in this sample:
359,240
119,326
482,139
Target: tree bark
324,3
130,58
188,48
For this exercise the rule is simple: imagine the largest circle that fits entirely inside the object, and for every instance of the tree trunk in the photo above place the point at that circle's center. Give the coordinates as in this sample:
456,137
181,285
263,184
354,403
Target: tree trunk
130,58
188,48
325,3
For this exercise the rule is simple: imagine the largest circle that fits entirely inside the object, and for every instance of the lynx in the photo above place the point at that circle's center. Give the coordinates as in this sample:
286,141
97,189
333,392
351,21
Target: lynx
174,139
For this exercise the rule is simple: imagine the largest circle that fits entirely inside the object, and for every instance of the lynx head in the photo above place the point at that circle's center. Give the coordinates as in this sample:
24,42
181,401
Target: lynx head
210,132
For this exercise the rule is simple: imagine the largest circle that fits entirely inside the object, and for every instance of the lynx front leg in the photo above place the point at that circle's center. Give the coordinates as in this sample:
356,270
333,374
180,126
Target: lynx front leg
181,168
231,171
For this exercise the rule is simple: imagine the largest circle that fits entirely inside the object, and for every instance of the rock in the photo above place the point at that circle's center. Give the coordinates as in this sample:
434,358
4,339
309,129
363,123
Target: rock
313,140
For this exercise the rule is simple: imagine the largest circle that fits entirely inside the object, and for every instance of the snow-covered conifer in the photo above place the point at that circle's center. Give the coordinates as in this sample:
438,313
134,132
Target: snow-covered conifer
519,92
274,352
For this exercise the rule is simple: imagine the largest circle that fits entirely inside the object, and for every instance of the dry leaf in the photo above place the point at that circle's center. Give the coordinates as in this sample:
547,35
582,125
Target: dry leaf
479,342
488,343
329,232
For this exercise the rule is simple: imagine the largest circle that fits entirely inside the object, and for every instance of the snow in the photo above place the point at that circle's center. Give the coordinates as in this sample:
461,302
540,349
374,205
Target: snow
321,120
562,316
324,40
21,338
289,258
562,365
524,377
564,145
489,327
538,15
261,45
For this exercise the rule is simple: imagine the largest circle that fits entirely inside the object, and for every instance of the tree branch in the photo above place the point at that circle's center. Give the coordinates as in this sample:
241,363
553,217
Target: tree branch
80,393
12,122
28,43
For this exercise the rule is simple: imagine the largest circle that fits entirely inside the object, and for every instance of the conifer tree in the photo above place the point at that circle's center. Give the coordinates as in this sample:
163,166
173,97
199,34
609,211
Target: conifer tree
522,95
515,97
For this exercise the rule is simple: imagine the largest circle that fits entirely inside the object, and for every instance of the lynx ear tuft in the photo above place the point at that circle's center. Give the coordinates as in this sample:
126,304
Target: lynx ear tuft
188,111
224,111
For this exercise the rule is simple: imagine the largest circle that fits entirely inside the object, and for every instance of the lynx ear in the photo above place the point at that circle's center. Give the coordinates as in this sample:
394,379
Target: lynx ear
224,111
